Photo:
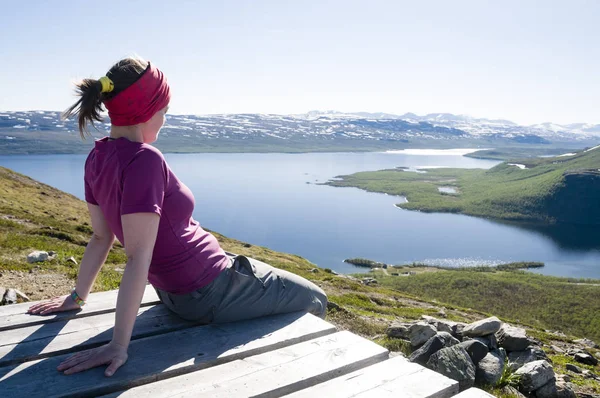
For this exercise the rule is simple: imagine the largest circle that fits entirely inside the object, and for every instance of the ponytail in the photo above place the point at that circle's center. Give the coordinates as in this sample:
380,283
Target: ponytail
91,94
89,105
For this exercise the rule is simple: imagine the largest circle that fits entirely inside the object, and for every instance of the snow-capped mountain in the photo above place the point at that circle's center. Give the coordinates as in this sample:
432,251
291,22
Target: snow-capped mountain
19,131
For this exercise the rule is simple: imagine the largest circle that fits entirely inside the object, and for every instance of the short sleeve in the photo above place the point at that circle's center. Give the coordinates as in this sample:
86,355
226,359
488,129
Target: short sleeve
144,183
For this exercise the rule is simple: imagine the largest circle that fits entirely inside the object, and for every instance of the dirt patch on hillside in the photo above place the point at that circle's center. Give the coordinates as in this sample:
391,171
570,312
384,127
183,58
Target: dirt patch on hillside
37,286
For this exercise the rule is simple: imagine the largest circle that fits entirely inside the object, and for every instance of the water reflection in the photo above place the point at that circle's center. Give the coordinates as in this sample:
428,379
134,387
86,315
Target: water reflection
568,237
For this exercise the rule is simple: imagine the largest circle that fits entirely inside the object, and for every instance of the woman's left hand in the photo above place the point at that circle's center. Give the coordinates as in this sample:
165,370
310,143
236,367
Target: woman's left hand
110,354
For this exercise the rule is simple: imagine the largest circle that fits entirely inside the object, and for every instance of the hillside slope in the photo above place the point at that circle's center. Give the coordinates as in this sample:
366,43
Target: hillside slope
564,189
36,216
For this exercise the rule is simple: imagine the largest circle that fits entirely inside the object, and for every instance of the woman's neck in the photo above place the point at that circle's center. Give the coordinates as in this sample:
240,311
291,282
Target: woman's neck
132,133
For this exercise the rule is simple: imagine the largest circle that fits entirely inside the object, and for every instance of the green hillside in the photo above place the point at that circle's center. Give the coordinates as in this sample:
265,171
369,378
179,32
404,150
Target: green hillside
35,216
559,189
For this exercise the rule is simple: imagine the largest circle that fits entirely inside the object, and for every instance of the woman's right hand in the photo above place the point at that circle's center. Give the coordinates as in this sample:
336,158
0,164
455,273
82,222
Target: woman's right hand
56,304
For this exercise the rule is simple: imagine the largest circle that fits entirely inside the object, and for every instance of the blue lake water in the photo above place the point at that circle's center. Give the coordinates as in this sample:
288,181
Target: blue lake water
273,200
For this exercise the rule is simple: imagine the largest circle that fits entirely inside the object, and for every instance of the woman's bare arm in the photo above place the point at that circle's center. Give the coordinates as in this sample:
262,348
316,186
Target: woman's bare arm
95,253
139,235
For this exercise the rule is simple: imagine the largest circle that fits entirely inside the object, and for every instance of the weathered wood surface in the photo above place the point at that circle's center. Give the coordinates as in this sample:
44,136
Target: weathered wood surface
474,393
271,374
297,354
55,338
15,316
166,355
392,378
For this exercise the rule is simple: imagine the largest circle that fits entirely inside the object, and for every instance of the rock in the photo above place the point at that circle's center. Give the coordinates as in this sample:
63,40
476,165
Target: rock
2,293
420,332
476,350
369,281
482,328
10,297
458,330
557,349
512,338
511,392
441,325
573,368
454,362
52,253
37,256
433,345
490,341
589,375
586,343
22,295
534,375
399,330
490,368
314,270
72,260
586,359
516,359
555,389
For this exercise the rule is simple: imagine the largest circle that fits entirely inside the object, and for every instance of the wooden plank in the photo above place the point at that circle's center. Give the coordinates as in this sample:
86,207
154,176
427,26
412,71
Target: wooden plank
272,374
166,355
394,377
474,393
15,316
55,338
423,384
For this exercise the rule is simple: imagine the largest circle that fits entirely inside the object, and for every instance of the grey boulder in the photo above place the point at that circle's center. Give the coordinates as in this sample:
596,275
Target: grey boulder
420,332
556,389
586,343
516,359
476,350
483,327
512,338
573,368
490,368
489,340
512,392
534,375
586,359
433,345
37,256
10,297
454,362
399,330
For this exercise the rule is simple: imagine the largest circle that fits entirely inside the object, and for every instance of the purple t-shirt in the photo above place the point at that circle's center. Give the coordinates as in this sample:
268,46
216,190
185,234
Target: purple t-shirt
124,177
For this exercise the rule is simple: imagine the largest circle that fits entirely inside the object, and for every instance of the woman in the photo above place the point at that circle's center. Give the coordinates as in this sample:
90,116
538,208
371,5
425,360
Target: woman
132,194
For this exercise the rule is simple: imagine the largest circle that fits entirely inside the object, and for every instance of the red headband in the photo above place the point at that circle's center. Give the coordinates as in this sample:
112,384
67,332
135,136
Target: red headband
140,101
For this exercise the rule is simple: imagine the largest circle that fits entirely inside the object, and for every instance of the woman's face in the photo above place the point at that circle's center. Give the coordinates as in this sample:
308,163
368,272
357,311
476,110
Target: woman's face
151,128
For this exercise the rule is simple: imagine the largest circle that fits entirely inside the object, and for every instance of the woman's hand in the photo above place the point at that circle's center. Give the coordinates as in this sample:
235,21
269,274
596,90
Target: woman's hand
57,304
111,354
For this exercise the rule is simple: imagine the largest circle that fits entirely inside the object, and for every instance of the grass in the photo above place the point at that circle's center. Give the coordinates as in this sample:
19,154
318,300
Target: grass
563,189
53,220
539,301
512,153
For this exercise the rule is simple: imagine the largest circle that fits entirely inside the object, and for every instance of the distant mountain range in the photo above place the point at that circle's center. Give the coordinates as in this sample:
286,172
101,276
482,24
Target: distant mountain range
315,130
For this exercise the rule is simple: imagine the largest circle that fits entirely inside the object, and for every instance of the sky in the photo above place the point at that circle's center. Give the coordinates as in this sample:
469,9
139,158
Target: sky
527,61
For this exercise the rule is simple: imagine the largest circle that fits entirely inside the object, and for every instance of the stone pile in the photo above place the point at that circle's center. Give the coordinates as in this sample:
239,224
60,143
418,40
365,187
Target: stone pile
481,352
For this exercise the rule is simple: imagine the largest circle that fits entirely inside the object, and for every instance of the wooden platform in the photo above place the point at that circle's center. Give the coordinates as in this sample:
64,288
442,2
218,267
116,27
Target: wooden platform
296,354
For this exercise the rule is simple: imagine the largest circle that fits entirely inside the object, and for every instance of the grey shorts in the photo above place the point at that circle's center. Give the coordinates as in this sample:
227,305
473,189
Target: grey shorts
246,289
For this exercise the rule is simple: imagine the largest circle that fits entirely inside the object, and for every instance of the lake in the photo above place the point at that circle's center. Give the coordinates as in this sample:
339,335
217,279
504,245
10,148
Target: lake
274,200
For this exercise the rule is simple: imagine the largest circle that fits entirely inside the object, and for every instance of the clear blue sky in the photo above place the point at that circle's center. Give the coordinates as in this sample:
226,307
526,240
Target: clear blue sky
527,61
